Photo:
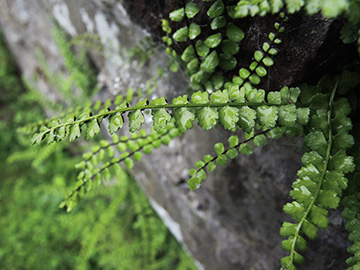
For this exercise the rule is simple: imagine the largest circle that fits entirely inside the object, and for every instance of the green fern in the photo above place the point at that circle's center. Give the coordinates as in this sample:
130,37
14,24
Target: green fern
80,73
228,96
329,8
206,60
350,9
222,154
351,214
350,203
322,179
103,229
97,165
227,108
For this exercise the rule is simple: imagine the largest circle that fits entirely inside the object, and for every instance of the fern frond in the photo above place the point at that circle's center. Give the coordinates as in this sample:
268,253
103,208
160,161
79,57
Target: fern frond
263,58
33,95
351,204
329,8
88,41
100,163
37,155
206,60
322,179
91,239
272,120
228,108
80,73
26,155
202,58
351,213
95,108
222,154
106,150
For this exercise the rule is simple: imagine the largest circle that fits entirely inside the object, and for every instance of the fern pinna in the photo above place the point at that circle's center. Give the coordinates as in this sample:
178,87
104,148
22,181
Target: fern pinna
226,93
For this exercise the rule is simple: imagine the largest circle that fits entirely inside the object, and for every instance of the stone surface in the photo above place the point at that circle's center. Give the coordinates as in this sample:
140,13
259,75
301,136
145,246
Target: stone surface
310,46
233,220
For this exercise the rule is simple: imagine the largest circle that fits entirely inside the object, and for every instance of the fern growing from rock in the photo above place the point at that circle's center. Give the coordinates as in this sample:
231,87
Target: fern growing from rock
227,94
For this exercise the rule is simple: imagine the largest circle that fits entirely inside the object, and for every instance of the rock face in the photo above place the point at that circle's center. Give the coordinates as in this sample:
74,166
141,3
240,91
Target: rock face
307,41
233,220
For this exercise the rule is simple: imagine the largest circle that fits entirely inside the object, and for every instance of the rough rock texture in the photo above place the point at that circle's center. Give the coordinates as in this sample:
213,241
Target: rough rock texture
310,44
233,220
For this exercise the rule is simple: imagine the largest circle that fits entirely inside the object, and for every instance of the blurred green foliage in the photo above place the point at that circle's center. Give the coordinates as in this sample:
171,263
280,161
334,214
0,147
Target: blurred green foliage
114,227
